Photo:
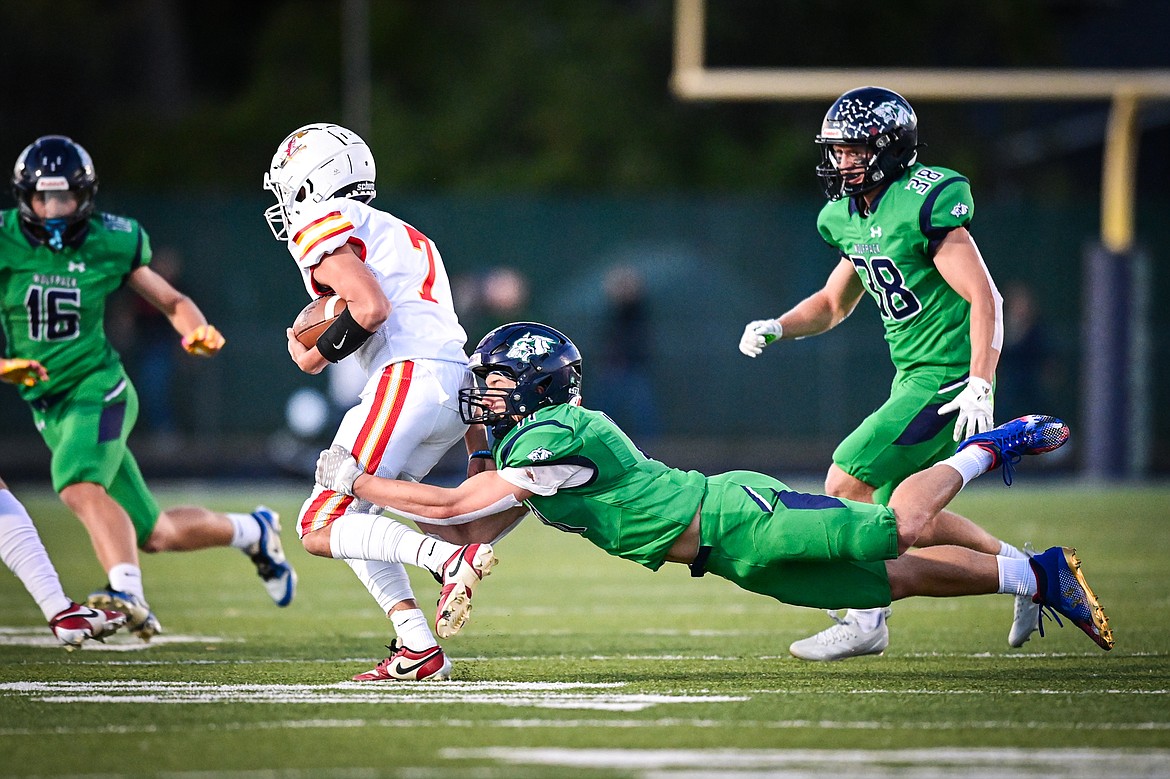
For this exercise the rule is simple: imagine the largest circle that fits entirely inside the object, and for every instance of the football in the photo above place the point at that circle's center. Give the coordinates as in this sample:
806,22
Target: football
316,318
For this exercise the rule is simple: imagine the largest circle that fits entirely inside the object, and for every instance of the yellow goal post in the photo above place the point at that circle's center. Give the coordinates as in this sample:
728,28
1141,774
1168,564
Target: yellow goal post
691,79
1116,373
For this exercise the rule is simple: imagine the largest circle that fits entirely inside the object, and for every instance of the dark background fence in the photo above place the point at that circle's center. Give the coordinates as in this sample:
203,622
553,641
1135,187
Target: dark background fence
543,138
707,266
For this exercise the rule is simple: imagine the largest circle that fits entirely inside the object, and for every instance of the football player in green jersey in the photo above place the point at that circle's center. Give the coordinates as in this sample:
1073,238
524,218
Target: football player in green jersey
900,229
59,261
578,472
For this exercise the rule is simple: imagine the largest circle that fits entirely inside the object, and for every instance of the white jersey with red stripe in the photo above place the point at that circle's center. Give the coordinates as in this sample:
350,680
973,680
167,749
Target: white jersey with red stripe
408,267
406,419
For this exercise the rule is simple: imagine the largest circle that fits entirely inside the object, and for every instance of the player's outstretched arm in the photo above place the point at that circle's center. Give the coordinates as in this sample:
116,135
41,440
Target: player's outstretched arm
483,495
819,312
199,337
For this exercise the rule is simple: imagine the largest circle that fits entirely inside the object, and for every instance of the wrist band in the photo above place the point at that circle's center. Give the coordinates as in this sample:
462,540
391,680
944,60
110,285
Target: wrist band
342,338
486,453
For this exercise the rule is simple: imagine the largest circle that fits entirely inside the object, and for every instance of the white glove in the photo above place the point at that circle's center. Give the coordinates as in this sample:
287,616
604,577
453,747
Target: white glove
759,334
337,470
975,405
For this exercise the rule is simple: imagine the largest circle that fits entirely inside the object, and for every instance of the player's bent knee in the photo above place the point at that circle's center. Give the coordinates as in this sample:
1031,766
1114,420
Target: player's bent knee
162,537
317,542
841,485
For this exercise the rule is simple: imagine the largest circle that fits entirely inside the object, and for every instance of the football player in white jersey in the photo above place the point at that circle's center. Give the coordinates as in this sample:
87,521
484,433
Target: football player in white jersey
400,325
24,554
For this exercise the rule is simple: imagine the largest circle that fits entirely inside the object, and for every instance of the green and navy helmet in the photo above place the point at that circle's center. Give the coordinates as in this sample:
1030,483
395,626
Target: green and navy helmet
543,362
877,118
54,163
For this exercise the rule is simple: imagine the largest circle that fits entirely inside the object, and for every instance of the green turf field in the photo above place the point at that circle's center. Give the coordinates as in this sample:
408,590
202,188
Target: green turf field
577,664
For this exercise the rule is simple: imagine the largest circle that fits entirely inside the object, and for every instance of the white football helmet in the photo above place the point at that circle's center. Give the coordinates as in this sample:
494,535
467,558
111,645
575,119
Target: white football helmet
315,163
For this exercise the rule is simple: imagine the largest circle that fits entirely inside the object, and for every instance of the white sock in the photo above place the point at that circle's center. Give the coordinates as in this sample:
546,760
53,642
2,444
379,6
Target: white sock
375,537
22,551
434,552
412,629
1007,550
970,462
1016,576
387,582
245,530
867,620
126,577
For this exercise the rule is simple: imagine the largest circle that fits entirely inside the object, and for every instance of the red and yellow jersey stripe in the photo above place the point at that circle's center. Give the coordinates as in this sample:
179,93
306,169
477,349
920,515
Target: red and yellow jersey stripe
370,444
316,232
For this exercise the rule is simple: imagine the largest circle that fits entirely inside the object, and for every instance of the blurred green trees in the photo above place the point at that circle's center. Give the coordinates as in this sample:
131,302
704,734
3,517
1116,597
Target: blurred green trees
502,95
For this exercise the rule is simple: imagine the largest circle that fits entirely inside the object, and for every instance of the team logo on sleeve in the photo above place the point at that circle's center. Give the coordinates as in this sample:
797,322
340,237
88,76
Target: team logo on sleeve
528,346
117,224
959,210
539,454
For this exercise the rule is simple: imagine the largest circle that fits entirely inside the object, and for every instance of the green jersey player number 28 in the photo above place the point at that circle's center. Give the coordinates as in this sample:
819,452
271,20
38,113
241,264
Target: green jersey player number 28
900,230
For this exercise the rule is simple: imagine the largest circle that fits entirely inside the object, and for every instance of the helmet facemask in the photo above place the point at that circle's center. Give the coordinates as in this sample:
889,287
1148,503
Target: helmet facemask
491,406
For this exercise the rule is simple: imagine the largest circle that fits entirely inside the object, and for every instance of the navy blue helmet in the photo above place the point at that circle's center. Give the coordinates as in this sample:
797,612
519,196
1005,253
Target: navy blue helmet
544,363
54,163
882,121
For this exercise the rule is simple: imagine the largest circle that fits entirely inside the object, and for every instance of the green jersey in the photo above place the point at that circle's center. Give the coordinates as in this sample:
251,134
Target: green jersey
633,507
54,303
927,323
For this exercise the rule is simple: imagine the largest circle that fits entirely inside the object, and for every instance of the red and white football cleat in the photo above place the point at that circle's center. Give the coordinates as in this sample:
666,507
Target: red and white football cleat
460,575
407,665
77,623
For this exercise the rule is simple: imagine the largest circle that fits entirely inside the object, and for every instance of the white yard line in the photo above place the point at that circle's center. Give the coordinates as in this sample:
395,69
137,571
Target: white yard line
526,723
944,763
539,695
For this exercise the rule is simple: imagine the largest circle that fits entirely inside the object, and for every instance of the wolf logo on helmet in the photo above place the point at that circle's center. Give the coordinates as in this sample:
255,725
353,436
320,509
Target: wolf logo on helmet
528,346
894,112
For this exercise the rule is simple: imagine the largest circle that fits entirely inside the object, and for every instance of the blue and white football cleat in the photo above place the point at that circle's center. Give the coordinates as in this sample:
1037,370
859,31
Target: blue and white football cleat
140,620
1032,434
267,555
1063,590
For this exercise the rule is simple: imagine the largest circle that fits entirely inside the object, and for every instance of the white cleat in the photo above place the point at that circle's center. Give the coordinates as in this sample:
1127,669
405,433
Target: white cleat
78,623
1026,619
843,640
460,575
